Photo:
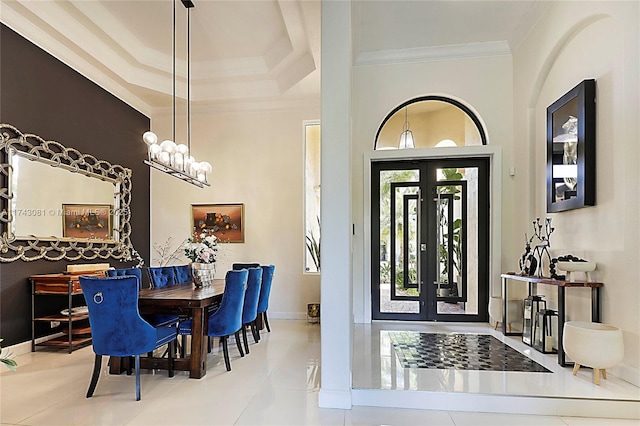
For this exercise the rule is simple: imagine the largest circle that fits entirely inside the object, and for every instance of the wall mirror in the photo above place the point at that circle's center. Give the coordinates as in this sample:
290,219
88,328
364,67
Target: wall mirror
571,146
58,203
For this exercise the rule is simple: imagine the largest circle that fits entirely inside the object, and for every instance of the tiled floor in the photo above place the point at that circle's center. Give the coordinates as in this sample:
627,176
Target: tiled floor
459,351
276,384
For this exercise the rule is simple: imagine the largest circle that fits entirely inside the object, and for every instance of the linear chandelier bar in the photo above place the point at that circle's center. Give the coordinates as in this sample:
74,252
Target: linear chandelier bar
176,173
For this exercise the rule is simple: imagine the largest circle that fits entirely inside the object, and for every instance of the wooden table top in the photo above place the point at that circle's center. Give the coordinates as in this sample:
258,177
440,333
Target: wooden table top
550,281
182,292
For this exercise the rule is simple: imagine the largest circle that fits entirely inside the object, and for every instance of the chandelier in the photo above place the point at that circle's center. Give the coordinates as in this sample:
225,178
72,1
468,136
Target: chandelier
406,137
167,156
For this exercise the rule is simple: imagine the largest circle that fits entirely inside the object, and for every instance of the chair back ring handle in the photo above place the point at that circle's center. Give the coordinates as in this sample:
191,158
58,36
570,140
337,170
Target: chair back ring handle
98,298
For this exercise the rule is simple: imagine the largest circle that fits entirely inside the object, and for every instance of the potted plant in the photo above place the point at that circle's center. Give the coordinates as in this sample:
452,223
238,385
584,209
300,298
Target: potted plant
8,360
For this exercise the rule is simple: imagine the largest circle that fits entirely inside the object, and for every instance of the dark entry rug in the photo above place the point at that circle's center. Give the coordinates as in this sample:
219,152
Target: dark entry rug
459,352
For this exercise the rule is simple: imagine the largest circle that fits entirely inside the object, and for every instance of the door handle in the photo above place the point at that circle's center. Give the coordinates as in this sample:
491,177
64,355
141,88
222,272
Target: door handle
423,247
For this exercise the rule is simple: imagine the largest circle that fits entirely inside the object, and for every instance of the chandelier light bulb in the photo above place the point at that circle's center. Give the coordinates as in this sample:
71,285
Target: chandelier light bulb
182,149
149,138
206,167
168,146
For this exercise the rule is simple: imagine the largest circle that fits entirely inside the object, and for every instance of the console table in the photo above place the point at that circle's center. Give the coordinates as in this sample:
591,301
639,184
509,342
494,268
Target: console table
76,329
561,285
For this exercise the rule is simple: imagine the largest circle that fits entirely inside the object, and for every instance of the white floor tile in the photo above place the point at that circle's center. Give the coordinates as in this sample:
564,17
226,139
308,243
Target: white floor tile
278,384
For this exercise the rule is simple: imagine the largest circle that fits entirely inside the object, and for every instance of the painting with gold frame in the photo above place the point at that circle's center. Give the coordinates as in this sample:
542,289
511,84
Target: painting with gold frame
87,221
225,221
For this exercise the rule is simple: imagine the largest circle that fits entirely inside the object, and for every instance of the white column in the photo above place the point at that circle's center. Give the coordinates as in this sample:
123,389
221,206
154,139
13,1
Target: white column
336,288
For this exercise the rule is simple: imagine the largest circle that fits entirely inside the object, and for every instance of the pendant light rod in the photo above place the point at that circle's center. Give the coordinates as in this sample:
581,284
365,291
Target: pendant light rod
188,76
173,45
169,157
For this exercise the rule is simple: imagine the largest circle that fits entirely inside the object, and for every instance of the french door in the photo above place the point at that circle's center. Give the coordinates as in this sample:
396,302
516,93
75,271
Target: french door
430,240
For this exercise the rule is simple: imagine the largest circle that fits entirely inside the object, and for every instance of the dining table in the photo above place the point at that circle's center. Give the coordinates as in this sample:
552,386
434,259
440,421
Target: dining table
184,300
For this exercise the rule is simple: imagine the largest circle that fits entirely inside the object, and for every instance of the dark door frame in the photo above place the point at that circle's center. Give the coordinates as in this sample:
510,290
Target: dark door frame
429,313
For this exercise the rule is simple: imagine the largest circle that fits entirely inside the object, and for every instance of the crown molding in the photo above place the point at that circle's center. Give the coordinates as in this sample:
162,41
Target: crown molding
92,70
430,54
271,104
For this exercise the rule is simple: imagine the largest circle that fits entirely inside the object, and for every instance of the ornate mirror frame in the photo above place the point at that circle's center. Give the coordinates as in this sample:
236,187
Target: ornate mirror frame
32,247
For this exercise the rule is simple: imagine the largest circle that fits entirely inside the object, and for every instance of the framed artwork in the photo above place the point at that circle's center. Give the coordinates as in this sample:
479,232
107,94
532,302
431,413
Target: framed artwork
87,221
571,149
225,221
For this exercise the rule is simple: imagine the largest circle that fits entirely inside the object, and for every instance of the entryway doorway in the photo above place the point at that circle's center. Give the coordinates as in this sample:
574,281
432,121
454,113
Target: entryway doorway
430,239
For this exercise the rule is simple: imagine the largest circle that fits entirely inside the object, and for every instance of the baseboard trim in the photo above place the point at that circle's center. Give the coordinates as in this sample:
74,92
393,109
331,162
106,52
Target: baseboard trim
506,404
25,347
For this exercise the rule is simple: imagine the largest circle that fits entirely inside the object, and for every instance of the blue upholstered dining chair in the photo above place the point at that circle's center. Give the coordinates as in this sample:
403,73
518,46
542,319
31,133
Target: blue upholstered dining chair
265,291
182,274
239,266
250,307
136,272
117,329
162,276
227,320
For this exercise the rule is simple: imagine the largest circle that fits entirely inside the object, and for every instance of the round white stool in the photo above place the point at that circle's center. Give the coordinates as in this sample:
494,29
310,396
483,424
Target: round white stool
514,311
592,344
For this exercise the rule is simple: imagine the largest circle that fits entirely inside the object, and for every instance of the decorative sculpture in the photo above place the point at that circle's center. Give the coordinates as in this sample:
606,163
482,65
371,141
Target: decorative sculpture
531,260
542,232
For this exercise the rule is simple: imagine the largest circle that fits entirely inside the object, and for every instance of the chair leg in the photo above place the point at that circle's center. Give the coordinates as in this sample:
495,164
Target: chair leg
137,377
97,365
209,344
183,346
604,374
244,338
239,343
255,331
266,321
596,372
172,349
225,351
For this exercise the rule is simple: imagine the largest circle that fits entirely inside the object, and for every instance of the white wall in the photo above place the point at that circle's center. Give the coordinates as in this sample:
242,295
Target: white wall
258,160
572,42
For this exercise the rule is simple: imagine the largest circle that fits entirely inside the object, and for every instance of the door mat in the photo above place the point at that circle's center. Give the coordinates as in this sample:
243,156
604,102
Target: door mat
459,352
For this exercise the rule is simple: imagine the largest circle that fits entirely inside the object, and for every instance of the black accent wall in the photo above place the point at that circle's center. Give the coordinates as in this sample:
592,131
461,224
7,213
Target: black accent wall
41,95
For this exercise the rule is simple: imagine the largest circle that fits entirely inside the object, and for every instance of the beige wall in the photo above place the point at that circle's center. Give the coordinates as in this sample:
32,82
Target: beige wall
257,157
576,41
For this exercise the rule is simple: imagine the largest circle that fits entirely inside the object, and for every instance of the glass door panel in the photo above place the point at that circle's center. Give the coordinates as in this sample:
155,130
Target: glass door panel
396,268
458,288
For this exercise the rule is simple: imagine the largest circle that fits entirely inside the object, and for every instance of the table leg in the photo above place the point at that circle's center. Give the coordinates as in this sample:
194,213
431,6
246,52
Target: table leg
504,306
198,358
561,319
595,304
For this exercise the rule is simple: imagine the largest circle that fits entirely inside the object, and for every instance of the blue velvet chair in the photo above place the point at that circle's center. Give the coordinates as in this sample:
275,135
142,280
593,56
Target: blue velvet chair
265,291
227,320
117,329
162,276
183,274
250,307
136,272
239,266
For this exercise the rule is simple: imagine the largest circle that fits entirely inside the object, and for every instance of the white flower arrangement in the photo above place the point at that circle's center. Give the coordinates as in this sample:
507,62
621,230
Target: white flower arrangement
202,248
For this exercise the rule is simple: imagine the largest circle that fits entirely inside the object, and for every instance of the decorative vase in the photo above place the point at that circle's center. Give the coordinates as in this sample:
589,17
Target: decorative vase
203,273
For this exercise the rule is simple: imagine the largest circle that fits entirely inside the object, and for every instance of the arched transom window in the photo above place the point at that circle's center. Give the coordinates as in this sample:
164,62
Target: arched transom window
428,122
